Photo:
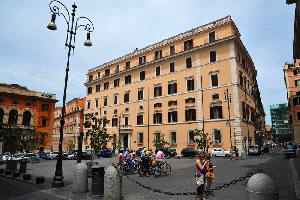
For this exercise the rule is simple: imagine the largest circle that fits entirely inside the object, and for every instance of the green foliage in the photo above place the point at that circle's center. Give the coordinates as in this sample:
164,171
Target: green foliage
71,145
117,142
30,141
159,140
97,133
203,140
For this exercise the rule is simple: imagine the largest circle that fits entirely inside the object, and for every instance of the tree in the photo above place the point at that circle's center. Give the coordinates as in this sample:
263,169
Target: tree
29,141
159,140
97,133
71,145
203,141
117,143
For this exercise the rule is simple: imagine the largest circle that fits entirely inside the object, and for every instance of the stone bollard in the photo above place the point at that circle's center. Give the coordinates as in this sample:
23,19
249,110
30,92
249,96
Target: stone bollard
23,166
261,187
243,155
16,174
1,171
26,176
80,179
39,179
7,172
112,184
97,181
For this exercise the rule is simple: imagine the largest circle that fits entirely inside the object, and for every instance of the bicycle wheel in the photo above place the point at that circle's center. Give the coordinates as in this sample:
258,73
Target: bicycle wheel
167,169
157,171
141,170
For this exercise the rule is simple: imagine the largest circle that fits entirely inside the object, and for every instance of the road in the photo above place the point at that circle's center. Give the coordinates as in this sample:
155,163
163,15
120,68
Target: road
180,182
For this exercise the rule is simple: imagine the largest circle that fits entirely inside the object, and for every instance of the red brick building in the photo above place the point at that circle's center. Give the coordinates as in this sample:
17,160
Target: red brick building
29,110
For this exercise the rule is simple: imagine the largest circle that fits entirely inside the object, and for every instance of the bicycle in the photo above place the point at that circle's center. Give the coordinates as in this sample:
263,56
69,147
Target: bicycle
162,167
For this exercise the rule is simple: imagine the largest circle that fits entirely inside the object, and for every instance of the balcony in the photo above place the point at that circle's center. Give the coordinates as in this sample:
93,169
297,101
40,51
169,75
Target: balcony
126,129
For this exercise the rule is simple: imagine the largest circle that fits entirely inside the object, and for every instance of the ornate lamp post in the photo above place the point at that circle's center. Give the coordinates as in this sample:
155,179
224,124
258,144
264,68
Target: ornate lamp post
70,43
227,99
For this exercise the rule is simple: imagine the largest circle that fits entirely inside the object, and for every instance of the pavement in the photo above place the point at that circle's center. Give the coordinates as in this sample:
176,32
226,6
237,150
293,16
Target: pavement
180,183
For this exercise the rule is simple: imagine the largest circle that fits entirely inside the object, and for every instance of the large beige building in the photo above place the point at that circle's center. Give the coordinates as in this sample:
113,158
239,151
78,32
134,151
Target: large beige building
178,85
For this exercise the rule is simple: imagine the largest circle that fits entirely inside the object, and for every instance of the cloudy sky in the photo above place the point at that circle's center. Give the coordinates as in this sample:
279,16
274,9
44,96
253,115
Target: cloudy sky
35,57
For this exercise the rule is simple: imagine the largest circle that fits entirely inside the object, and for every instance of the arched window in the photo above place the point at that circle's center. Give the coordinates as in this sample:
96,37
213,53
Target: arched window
13,117
26,118
1,115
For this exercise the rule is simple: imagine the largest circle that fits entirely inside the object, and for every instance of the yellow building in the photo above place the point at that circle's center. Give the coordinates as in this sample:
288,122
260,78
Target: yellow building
178,85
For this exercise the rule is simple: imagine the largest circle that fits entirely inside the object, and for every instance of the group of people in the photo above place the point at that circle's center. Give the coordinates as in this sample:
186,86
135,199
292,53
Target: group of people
203,165
234,153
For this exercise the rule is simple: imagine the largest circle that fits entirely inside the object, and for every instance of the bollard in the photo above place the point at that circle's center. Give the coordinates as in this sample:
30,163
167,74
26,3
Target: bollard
32,160
80,180
97,181
16,174
112,184
261,187
39,179
243,155
7,172
1,171
23,166
26,176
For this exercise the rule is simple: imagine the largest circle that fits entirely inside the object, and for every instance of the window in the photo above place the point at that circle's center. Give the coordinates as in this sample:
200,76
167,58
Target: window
172,50
214,79
140,137
241,80
127,79
141,107
105,101
1,100
44,122
172,116
90,78
88,104
140,119
28,103
190,84
190,100
106,85
217,136
96,103
172,103
114,121
99,74
141,94
157,105
157,118
116,98
1,115
98,88
157,71
188,62
172,87
216,111
117,68
126,97
296,101
107,72
15,102
116,82
212,36
297,83
26,118
191,137
142,60
127,65
172,67
243,62
90,90
157,91
297,72
190,114
212,56
142,75
173,139
158,54
215,96
45,107
188,44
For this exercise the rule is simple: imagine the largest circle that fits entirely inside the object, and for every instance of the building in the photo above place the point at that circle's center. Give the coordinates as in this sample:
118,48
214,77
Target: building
281,128
29,110
203,78
292,78
74,119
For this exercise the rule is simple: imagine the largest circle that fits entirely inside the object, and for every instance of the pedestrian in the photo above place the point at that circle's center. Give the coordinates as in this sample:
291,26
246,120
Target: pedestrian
208,180
127,156
200,175
236,151
145,162
232,153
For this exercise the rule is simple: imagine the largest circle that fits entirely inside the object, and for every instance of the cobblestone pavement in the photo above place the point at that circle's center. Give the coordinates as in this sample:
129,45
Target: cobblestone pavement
181,181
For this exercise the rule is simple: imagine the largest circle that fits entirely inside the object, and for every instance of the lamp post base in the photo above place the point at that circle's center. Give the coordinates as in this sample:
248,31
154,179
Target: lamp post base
58,182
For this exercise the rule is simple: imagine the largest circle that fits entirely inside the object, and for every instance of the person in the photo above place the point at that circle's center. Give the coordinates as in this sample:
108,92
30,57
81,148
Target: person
209,168
127,156
145,162
200,174
120,158
236,150
232,153
159,156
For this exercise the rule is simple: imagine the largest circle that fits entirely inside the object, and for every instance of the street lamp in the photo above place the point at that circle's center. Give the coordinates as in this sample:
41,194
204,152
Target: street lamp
227,99
70,43
121,114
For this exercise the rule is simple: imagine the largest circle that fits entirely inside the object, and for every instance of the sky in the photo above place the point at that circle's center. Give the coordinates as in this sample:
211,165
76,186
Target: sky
35,57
